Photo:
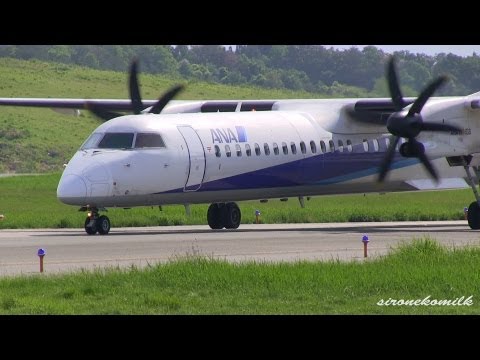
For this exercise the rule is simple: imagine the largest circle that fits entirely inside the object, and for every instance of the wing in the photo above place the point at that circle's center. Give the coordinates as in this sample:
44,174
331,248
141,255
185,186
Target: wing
112,105
104,104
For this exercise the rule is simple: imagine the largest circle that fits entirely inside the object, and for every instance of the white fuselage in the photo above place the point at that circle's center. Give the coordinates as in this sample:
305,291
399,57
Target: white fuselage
205,156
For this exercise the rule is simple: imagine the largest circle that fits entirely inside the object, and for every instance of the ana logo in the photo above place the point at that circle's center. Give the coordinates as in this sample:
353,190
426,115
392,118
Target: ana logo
228,135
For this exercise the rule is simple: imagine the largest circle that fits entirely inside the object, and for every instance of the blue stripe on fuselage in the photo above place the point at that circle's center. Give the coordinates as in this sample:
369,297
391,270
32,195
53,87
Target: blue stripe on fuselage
322,169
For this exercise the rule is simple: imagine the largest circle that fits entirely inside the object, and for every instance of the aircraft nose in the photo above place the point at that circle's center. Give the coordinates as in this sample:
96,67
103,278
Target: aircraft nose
72,190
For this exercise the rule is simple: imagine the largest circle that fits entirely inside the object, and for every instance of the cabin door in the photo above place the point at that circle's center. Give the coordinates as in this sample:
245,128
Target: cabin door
196,155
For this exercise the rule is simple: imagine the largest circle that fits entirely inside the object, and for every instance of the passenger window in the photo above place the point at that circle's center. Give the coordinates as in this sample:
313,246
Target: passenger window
116,141
313,147
285,148
217,151
266,148
248,151
149,140
340,145
323,147
365,145
303,148
275,149
375,145
228,151
332,145
293,147
349,146
257,149
239,150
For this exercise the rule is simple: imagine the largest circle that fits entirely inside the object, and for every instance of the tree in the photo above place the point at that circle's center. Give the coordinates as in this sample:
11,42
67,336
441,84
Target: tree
295,80
181,52
234,77
185,69
60,53
213,54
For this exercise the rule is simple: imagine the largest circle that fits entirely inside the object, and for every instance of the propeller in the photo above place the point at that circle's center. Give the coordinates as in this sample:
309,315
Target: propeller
407,124
135,98
165,98
134,88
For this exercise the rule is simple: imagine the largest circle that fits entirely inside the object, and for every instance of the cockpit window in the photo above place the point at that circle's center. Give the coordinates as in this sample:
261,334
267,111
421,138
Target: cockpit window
92,141
149,140
116,141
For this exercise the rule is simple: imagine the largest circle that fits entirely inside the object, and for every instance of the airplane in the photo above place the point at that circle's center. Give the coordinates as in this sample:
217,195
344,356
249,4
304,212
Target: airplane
224,151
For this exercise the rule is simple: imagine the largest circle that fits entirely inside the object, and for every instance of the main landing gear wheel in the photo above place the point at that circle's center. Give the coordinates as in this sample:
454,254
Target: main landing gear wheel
232,216
222,215
473,216
214,216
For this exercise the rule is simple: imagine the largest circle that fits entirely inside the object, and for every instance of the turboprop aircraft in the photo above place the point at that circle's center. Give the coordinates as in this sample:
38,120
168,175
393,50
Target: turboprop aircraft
220,152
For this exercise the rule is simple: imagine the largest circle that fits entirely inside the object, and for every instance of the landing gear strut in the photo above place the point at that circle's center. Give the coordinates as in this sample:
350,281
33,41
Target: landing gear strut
473,215
224,215
95,223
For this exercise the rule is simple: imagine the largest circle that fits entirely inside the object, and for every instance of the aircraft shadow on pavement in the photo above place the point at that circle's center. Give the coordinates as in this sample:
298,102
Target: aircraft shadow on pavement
441,228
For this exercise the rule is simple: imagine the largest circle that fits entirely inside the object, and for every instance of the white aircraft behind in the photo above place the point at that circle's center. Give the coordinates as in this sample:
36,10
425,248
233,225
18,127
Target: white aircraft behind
219,152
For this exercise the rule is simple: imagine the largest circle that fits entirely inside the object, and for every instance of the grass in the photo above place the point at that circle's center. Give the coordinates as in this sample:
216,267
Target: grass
197,285
30,202
41,140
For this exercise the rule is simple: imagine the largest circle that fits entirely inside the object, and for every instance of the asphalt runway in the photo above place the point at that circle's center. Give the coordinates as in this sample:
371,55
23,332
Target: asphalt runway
72,249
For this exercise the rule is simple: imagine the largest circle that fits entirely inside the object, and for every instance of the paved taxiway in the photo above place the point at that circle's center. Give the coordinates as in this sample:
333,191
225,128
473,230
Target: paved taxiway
71,249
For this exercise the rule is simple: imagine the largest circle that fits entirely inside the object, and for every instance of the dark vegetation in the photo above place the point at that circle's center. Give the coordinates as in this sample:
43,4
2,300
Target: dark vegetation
312,68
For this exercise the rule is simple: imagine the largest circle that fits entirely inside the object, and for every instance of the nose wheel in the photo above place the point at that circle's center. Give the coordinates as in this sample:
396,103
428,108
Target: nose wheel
90,226
95,223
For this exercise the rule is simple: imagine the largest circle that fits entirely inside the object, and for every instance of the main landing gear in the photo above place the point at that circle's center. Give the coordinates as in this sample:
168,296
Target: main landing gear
473,215
95,223
224,215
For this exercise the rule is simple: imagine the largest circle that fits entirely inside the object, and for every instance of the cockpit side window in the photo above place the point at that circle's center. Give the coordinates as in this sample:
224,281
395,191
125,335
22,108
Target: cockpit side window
116,141
149,140
92,141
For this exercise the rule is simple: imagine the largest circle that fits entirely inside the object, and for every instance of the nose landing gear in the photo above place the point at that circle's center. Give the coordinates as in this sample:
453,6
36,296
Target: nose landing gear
95,223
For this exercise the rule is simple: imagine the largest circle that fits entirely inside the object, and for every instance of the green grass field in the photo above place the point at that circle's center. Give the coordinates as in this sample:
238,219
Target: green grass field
199,285
30,202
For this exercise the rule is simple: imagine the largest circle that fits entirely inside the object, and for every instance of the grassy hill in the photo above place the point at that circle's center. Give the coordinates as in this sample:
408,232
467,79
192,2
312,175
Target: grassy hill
34,140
